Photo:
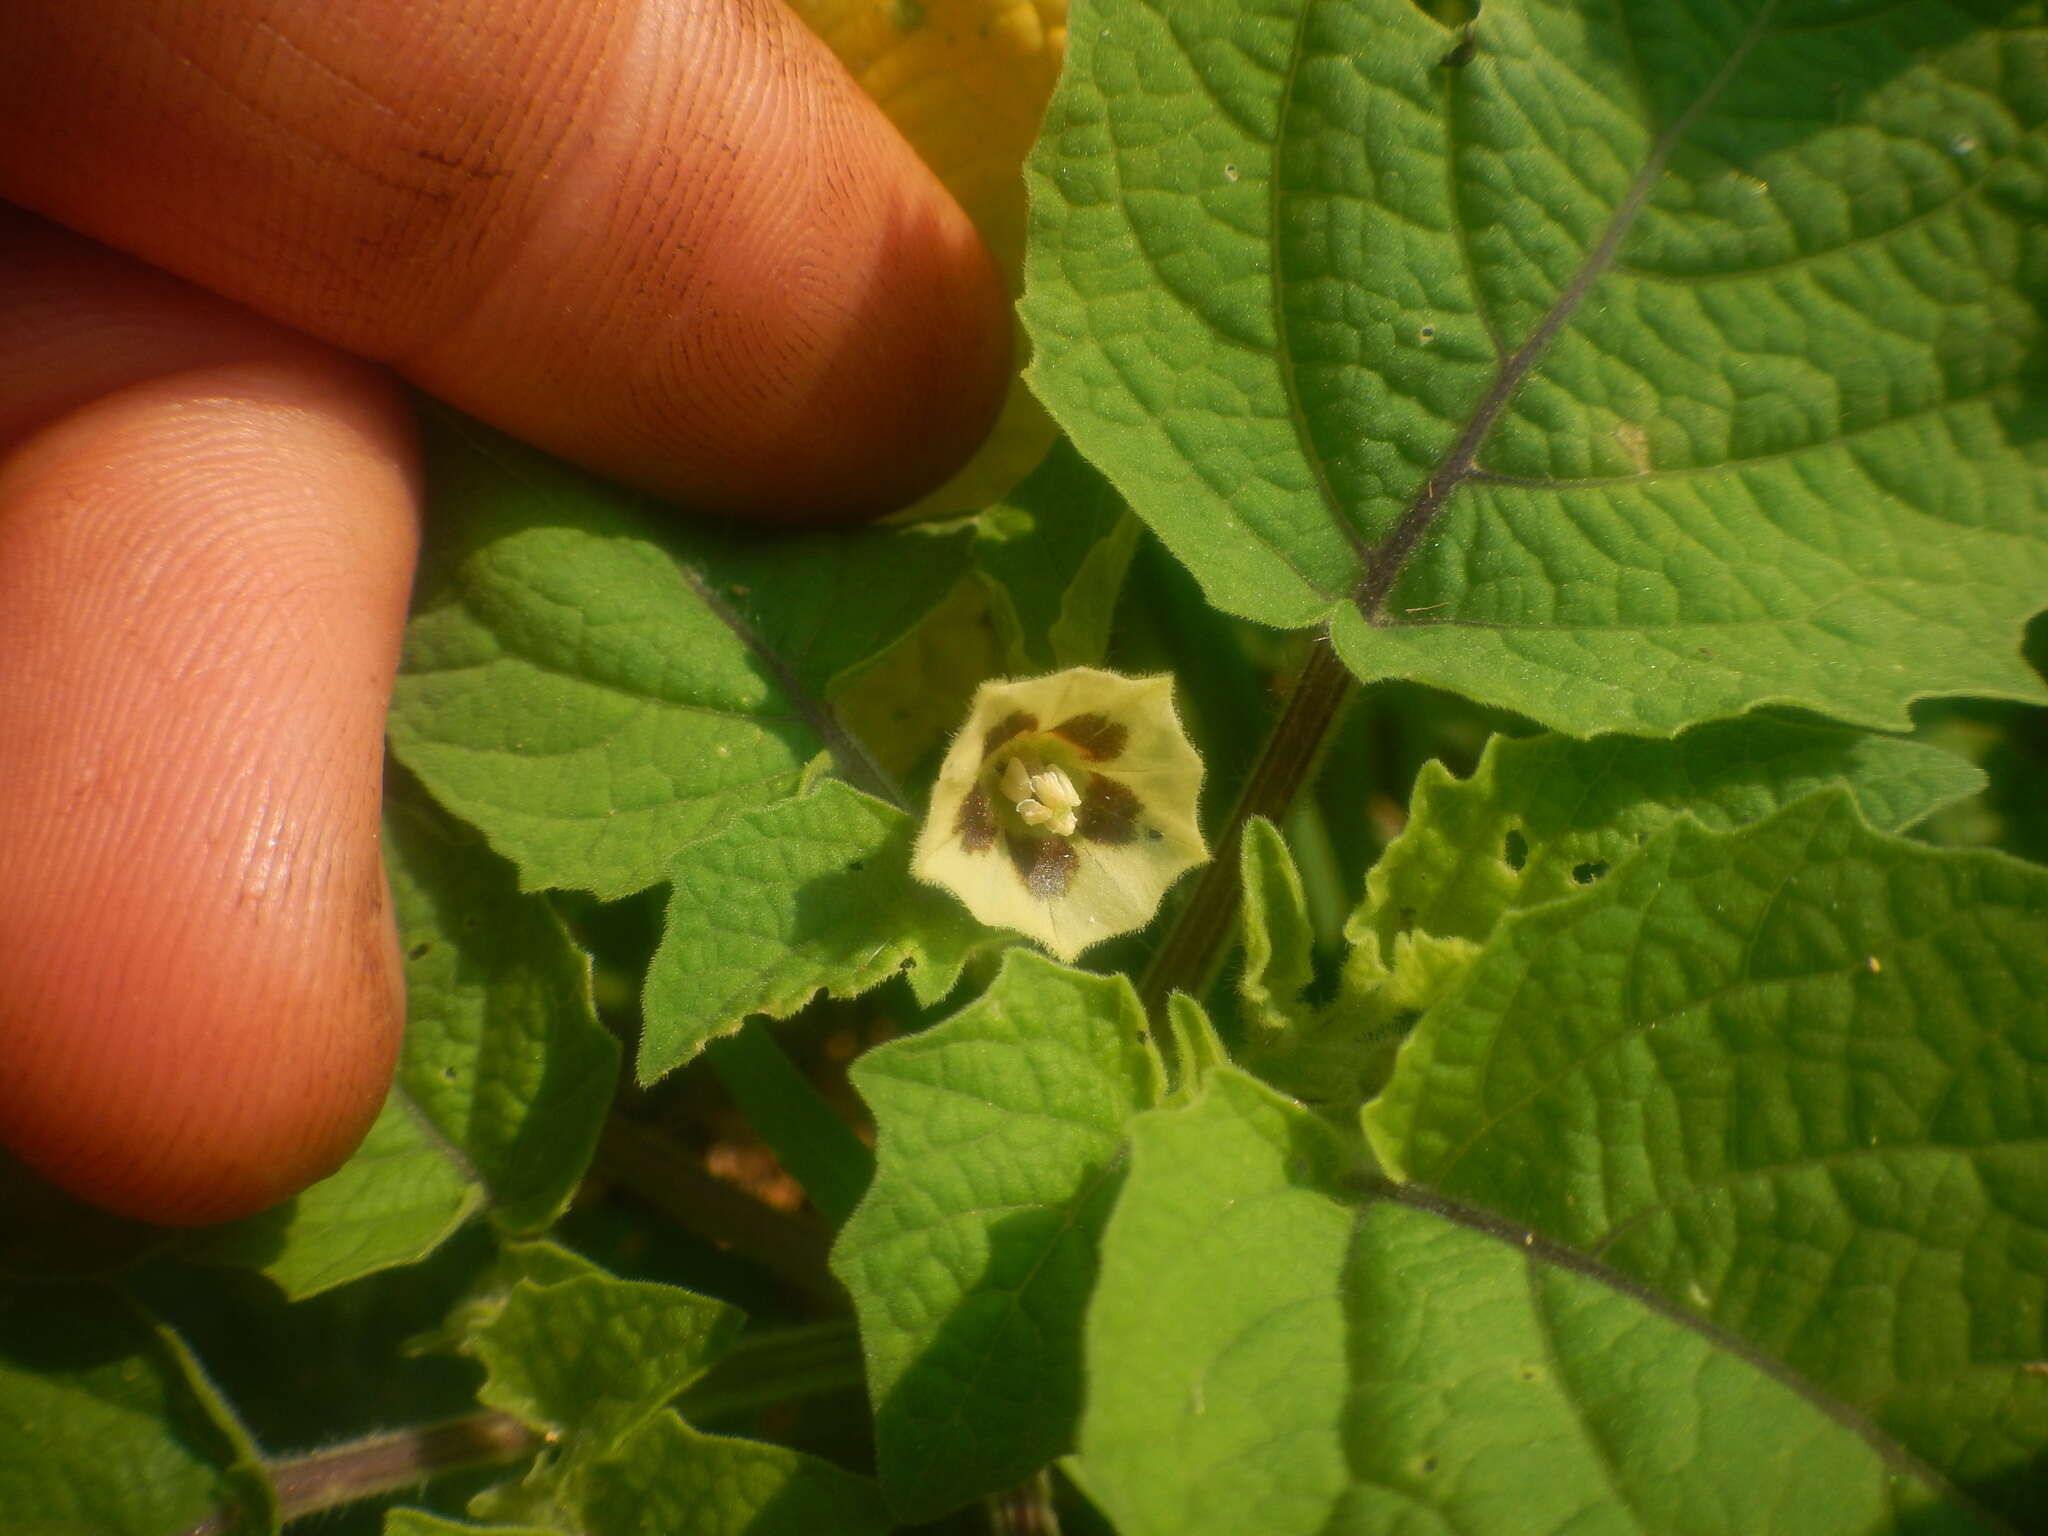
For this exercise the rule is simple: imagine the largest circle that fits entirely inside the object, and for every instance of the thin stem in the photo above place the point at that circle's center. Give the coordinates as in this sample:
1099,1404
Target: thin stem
1201,935
819,1150
405,1458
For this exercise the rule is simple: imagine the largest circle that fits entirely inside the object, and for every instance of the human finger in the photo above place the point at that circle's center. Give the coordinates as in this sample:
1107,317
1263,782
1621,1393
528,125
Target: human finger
667,238
207,530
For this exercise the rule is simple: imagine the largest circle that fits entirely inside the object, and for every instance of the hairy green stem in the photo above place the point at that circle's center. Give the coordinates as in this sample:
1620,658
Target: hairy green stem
404,1458
1201,934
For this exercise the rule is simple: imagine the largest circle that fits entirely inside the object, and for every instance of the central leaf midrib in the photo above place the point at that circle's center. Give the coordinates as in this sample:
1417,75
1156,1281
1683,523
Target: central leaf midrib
1386,562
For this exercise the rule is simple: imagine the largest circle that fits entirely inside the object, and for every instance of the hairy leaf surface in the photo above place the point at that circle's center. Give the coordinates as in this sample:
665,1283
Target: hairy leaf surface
1277,1347
593,692
1621,365
813,894
1794,1077
109,1429
1540,818
972,1257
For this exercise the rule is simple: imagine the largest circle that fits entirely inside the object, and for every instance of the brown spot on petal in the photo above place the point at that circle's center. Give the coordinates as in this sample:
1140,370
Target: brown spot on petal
1109,811
976,822
1014,724
1097,737
1046,863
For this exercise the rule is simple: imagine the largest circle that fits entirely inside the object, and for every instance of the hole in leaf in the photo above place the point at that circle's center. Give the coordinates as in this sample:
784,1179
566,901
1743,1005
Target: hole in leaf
1429,1463
1588,872
1514,849
419,951
1426,333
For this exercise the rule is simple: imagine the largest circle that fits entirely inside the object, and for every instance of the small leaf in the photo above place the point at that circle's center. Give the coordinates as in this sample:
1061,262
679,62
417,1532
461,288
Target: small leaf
1790,1077
972,1257
592,696
1065,808
1271,1348
1279,942
502,1086
109,1429
590,1359
679,1481
1624,366
1054,555
813,894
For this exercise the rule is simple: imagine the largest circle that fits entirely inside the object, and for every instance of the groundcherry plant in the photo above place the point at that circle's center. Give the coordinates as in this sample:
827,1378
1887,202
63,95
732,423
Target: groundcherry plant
1436,924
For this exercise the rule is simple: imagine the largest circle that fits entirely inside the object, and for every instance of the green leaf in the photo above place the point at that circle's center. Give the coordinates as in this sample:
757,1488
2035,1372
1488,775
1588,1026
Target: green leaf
593,693
590,1359
973,1254
107,1427
1271,1348
812,894
1055,554
1624,366
502,1086
418,1522
676,1480
1279,943
1790,1077
1540,818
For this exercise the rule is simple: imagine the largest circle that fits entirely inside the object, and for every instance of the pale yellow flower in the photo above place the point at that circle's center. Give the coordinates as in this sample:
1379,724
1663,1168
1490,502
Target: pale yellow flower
1065,808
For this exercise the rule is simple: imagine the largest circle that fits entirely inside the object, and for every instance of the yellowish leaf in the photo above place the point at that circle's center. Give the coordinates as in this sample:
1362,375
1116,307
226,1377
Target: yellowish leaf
966,82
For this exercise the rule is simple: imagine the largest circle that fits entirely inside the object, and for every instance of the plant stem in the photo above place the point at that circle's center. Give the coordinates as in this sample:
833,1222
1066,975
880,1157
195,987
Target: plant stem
324,1480
818,1149
1200,936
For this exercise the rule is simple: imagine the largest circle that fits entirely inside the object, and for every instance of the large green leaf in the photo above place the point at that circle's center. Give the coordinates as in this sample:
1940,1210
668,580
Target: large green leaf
107,1427
504,1081
1624,365
811,894
593,693
971,1258
1274,1347
1794,1077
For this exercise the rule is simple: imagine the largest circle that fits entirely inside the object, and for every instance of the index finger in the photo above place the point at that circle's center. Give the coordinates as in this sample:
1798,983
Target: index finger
667,238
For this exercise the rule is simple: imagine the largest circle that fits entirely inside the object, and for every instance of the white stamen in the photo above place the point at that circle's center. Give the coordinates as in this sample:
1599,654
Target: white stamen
1016,784
1053,788
1044,797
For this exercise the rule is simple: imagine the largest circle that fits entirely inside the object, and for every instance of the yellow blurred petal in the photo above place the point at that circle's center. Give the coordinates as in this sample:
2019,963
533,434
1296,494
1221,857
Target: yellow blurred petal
966,82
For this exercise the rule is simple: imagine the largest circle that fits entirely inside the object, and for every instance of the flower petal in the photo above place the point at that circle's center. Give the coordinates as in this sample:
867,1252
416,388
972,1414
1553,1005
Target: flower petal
1070,833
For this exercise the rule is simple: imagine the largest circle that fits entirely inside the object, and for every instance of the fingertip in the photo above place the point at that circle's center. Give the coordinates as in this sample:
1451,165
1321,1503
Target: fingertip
203,578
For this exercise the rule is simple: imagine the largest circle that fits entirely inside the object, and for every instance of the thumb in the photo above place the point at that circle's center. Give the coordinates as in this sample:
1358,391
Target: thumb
667,238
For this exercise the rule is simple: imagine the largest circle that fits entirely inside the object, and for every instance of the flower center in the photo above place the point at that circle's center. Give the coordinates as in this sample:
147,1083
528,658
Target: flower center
1044,797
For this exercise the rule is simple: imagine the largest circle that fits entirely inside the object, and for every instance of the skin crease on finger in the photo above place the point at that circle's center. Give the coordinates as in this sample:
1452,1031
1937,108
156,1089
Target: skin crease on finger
207,533
669,239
